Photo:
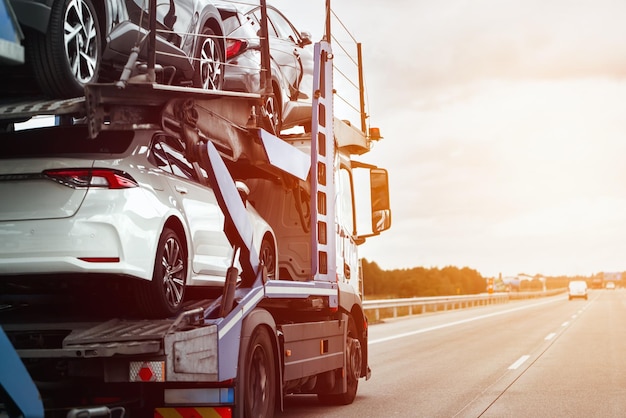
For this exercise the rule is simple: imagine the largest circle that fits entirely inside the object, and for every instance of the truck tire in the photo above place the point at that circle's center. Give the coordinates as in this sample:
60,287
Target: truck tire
68,56
257,384
163,295
354,357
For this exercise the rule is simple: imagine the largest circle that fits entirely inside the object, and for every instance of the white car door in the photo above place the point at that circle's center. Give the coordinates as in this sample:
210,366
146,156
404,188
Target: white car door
211,253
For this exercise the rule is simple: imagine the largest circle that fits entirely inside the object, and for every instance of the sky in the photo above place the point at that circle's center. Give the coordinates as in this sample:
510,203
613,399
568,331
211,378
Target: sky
504,126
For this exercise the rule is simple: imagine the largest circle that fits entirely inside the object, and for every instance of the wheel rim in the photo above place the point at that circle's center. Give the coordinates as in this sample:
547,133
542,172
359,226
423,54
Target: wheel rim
355,358
210,64
268,258
80,39
273,115
173,272
257,390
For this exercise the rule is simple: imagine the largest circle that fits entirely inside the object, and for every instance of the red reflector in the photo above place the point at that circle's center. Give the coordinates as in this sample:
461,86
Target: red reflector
145,374
147,371
100,259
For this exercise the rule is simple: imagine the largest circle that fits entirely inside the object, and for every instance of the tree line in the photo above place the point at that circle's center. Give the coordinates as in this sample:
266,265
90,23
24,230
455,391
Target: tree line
450,280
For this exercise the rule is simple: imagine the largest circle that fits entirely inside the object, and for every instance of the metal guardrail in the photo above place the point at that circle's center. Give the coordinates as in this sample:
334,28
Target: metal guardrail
410,306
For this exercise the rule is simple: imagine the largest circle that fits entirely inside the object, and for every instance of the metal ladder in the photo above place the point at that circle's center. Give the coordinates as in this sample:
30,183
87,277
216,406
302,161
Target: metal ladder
323,239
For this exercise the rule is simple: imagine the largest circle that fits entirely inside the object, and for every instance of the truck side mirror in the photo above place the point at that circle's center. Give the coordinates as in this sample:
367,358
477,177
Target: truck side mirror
305,39
371,200
381,210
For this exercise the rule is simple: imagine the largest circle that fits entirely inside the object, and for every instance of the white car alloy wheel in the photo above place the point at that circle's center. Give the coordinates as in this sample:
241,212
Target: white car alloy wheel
163,296
272,115
268,257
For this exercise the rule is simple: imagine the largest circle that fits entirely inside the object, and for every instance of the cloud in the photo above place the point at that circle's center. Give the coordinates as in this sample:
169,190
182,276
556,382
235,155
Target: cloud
530,168
504,126
430,47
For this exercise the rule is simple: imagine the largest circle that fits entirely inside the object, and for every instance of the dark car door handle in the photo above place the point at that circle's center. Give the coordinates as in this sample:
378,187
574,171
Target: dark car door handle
181,189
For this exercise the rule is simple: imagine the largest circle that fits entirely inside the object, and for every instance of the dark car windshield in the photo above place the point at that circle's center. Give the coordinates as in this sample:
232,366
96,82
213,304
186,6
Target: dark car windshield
58,140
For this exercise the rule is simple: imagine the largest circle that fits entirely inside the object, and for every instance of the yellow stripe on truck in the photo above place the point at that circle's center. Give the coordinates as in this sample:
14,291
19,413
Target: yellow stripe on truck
220,412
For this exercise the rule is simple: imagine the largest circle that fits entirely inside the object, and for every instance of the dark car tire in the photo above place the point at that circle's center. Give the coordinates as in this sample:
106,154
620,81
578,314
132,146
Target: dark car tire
164,294
209,71
64,62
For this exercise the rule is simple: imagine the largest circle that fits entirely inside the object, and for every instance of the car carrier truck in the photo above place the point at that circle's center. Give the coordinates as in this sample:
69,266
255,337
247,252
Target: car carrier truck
240,351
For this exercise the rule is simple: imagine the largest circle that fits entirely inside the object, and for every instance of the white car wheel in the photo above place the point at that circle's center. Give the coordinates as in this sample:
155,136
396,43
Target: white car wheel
164,294
272,114
267,257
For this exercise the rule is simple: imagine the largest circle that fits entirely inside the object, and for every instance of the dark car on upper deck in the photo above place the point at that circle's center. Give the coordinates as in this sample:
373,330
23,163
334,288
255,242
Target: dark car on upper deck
70,43
291,62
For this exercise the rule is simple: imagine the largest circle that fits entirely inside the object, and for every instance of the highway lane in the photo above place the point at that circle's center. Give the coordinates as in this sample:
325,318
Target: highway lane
582,374
544,357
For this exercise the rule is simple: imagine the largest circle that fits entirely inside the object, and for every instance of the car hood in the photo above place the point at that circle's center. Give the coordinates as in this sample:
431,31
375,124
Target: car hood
27,194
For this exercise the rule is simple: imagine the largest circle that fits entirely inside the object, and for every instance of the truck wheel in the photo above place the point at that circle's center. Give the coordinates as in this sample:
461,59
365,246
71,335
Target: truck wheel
69,55
257,384
163,295
354,360
209,64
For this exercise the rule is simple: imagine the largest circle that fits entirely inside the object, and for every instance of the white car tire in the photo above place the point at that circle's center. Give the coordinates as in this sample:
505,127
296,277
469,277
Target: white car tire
164,294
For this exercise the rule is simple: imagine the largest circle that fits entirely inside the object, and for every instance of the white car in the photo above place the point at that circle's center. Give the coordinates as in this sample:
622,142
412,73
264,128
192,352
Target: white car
125,211
577,289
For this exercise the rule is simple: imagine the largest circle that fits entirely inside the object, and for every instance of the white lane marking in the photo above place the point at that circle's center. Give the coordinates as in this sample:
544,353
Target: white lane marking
574,316
564,324
451,324
550,336
519,362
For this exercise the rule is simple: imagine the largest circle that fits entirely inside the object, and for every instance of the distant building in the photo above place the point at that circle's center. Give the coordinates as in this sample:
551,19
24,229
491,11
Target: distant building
606,278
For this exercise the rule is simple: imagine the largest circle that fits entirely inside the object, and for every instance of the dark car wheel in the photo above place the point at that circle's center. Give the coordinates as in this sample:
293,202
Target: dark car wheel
69,55
163,295
209,62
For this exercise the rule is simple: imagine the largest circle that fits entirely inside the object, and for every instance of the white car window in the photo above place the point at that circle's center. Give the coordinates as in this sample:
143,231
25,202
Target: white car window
167,149
284,29
271,31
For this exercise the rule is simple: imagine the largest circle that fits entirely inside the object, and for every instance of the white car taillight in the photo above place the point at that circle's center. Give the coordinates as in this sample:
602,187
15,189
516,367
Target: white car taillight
235,47
79,178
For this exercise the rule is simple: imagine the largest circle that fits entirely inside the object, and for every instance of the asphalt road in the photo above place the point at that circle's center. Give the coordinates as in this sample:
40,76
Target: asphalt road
540,358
